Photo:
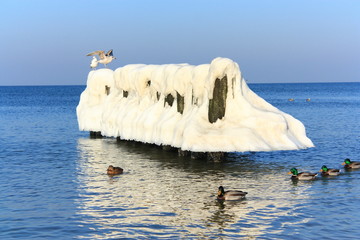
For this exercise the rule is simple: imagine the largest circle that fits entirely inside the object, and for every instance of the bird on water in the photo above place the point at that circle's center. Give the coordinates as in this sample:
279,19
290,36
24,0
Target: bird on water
302,175
348,164
325,171
230,195
114,170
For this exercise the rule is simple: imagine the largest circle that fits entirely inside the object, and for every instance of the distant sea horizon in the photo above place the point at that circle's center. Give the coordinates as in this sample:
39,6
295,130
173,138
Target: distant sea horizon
59,85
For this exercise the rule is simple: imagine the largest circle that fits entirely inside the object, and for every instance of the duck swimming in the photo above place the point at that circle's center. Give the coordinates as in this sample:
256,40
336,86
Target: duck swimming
329,172
350,164
301,176
232,195
114,170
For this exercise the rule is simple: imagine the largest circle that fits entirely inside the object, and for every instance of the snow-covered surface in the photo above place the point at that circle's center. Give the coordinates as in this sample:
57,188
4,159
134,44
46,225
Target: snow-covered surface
249,124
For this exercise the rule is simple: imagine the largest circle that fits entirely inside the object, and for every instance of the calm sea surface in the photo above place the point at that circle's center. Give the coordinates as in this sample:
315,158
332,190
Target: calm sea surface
54,185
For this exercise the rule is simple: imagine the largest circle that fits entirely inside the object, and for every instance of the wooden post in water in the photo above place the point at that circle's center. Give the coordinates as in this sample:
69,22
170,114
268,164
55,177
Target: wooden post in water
107,89
169,99
180,103
217,105
94,134
217,108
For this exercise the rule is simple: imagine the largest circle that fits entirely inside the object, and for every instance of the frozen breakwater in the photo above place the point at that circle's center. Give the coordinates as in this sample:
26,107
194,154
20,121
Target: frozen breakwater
204,108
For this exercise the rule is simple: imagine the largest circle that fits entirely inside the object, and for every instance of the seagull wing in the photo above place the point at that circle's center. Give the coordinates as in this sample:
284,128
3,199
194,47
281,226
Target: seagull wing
109,53
99,52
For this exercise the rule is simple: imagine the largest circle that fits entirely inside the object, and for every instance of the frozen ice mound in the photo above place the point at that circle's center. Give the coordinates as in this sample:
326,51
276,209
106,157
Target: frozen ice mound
173,104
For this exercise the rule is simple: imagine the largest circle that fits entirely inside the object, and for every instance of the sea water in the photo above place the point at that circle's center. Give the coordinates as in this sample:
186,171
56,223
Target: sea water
53,180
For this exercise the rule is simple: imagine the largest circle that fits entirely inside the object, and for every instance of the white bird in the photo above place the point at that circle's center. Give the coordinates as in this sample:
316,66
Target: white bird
94,63
105,58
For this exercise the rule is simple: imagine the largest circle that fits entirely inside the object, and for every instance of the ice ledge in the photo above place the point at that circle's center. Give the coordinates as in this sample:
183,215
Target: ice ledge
204,108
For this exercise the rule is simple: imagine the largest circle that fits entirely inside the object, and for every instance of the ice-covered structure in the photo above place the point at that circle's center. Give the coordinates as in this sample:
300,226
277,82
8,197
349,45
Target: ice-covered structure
204,108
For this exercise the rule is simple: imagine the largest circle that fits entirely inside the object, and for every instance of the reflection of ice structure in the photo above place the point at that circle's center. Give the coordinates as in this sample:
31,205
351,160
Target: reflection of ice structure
205,108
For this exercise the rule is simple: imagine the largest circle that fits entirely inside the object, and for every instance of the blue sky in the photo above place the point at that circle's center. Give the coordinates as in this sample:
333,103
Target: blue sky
45,42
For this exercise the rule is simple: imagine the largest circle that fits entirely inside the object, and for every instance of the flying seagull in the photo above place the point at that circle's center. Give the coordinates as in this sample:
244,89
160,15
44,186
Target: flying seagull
105,58
94,63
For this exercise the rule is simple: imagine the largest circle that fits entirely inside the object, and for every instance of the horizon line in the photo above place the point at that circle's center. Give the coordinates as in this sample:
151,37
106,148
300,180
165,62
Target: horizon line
73,85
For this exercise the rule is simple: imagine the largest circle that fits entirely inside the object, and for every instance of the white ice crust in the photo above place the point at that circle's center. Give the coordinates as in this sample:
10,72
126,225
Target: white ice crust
250,123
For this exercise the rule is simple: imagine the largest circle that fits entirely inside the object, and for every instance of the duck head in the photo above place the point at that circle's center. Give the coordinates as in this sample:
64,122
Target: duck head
293,171
346,161
111,170
324,169
221,191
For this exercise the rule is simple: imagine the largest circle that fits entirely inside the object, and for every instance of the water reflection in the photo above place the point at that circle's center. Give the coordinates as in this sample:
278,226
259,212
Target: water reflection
163,195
